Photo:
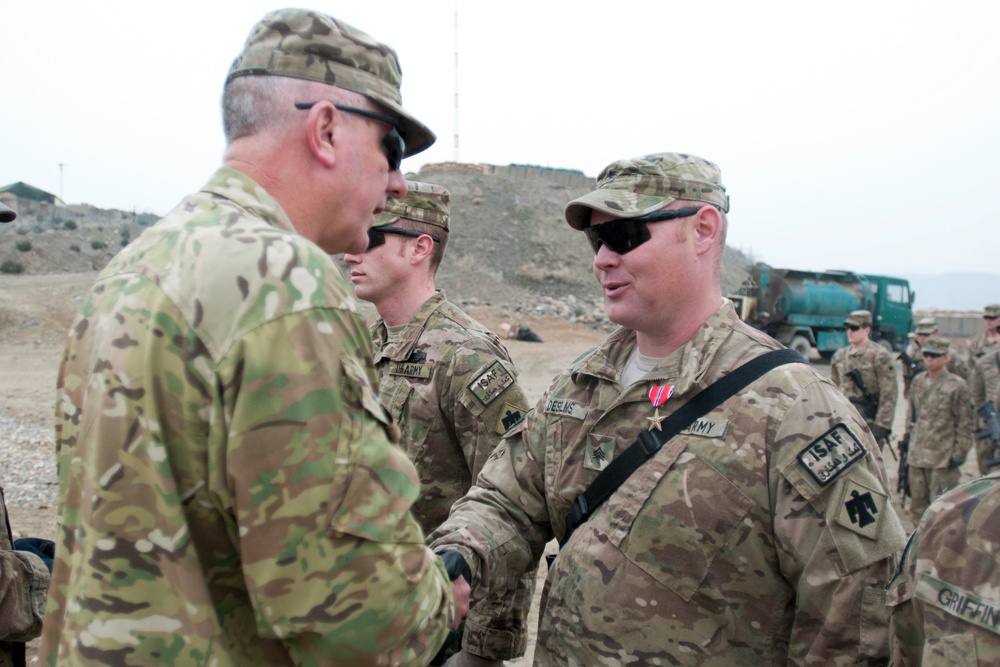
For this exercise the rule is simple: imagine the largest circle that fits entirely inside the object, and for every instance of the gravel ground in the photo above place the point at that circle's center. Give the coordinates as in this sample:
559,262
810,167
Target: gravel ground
27,459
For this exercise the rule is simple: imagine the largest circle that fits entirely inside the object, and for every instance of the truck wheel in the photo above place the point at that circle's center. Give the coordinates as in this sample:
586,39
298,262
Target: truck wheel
801,345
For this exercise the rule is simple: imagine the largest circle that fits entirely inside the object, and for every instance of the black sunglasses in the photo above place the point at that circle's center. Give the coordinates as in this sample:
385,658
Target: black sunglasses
852,327
376,235
932,355
625,234
394,141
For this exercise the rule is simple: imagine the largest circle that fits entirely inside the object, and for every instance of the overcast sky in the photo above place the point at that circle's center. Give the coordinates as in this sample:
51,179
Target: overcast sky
858,135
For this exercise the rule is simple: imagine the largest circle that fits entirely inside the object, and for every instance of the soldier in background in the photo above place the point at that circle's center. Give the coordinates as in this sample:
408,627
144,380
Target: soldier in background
877,375
229,488
989,340
941,427
986,387
762,534
25,565
447,381
944,602
924,329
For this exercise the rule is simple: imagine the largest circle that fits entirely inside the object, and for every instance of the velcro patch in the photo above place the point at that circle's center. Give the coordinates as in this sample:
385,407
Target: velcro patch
491,383
707,428
410,370
598,451
861,509
510,415
562,407
972,608
832,453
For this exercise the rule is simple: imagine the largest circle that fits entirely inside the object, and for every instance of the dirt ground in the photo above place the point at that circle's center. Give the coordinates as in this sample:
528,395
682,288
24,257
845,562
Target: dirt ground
35,313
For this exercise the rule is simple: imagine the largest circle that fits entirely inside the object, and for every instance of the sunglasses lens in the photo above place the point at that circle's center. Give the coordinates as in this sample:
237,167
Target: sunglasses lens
619,235
394,146
375,237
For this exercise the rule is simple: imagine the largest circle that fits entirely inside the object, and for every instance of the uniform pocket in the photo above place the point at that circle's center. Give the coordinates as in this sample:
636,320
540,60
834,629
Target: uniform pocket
950,651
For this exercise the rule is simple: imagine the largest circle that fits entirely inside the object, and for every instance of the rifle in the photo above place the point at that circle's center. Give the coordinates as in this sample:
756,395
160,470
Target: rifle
903,485
868,402
992,431
911,366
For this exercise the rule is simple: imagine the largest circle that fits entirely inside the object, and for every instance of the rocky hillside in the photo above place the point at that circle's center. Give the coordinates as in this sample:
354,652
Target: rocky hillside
510,246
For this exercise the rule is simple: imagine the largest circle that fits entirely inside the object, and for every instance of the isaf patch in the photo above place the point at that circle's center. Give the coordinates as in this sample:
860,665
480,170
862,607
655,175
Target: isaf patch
829,455
598,451
510,415
861,509
491,383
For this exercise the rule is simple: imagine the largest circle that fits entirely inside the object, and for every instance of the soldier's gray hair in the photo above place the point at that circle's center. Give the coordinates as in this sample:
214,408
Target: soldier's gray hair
254,104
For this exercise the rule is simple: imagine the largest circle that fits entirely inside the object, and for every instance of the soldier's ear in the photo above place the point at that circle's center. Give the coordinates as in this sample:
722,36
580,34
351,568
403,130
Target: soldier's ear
324,129
423,247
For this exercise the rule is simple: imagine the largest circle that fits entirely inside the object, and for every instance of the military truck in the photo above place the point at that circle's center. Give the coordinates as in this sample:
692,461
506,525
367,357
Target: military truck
806,309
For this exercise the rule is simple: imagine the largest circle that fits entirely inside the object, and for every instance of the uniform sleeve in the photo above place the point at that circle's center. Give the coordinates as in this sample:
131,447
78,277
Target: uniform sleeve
24,580
835,368
906,628
837,535
333,560
501,526
965,422
888,390
978,387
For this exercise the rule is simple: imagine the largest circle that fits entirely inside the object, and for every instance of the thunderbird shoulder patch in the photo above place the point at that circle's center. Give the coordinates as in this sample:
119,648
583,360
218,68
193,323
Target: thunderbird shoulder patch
861,509
510,415
831,454
491,383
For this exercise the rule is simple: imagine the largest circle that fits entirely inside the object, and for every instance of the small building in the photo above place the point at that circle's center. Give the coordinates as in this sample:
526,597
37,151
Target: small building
21,190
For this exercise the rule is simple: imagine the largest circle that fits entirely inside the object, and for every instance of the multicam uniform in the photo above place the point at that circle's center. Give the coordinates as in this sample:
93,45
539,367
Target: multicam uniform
763,534
941,431
986,387
229,491
944,600
449,383
24,578
980,346
878,371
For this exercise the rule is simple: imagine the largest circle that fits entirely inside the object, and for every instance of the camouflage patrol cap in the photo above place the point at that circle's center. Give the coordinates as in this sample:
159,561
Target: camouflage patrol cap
632,188
308,45
859,318
926,326
992,310
7,214
936,346
423,202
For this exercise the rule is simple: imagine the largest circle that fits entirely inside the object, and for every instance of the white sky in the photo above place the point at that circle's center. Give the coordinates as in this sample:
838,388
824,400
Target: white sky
859,135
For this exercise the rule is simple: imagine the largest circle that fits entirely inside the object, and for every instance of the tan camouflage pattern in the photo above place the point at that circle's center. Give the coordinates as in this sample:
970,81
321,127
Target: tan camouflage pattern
229,491
941,434
878,370
24,579
980,346
859,318
956,365
304,44
986,387
449,433
635,187
423,202
723,549
944,598
926,326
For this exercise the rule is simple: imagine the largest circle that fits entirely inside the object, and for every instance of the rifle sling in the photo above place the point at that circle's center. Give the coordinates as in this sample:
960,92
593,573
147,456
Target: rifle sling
650,442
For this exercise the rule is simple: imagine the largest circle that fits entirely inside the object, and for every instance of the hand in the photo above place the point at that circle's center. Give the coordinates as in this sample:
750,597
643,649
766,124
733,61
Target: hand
460,590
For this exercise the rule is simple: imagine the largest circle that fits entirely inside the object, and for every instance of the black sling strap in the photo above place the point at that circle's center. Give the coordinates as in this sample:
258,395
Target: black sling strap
650,442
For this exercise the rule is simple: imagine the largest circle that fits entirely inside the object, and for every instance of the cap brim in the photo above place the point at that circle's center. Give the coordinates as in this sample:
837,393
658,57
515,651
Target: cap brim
418,136
383,219
619,203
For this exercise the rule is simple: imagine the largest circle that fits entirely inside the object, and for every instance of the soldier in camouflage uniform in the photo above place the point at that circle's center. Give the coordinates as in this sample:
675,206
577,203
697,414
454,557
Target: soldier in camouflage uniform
24,575
944,600
924,329
761,535
986,387
941,427
230,490
447,381
989,340
878,373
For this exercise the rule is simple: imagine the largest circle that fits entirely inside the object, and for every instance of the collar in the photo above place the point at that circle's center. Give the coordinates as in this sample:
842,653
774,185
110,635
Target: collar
246,193
401,349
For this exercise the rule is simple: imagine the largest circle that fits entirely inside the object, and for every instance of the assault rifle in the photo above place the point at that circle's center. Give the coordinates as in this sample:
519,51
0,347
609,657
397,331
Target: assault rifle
992,430
903,485
868,403
910,365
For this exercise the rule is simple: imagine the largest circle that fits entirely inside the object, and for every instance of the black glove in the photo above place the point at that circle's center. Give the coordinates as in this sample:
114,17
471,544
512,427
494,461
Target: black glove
952,464
881,434
456,565
44,549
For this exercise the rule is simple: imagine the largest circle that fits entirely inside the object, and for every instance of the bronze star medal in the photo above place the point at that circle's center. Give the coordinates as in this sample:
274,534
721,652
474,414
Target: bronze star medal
658,395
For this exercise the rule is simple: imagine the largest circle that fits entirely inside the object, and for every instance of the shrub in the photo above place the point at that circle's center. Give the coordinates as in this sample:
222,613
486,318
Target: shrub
10,266
74,247
24,245
21,231
98,245
69,224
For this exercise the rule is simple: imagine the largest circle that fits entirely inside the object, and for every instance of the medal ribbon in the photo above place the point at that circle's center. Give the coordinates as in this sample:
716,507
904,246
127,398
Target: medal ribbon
658,394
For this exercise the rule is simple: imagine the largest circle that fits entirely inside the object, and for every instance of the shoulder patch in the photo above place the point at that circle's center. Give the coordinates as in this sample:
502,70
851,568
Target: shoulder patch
565,408
831,454
510,415
409,370
491,383
983,612
598,451
861,509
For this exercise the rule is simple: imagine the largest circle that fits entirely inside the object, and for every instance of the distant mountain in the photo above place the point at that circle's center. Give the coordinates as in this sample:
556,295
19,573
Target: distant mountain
954,291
